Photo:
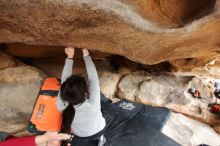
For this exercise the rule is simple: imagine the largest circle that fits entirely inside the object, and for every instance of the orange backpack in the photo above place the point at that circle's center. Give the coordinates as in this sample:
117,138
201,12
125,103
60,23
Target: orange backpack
46,116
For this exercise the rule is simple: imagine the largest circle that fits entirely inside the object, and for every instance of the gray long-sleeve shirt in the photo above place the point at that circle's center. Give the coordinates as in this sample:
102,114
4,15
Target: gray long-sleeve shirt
88,118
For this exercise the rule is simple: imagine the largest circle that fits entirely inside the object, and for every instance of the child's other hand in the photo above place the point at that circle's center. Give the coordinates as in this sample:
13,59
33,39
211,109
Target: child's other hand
51,139
85,52
69,52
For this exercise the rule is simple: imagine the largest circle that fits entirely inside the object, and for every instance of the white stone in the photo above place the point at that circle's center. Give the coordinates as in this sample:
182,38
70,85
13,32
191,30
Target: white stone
189,132
129,85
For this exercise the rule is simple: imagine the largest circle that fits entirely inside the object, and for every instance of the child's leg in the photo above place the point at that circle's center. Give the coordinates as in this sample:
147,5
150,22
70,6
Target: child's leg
82,142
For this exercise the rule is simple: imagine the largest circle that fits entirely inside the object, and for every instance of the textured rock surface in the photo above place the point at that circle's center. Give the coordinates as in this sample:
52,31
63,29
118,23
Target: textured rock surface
19,74
16,104
173,13
171,91
208,66
6,61
19,86
189,132
139,30
42,51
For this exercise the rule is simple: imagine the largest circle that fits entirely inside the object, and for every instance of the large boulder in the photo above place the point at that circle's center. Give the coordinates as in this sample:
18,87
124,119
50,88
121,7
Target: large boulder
20,74
189,132
129,85
19,87
171,91
146,32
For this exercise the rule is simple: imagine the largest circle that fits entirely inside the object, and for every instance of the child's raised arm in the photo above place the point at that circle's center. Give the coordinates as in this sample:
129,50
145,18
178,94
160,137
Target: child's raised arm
94,89
67,72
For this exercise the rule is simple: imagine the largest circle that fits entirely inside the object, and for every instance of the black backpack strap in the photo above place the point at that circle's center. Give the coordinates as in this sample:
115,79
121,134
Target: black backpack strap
52,93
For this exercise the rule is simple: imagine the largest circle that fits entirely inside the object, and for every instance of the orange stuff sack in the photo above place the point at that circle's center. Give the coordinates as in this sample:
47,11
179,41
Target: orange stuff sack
46,116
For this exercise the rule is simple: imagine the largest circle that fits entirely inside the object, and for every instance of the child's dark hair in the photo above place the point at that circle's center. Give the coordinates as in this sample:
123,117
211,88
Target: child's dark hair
75,91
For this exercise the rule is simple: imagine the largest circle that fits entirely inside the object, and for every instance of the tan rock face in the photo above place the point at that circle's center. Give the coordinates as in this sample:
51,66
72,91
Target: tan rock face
18,92
16,104
18,74
6,61
173,13
42,51
139,30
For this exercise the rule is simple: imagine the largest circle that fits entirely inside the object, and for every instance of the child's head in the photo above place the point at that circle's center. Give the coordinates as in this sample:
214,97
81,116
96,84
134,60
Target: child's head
74,90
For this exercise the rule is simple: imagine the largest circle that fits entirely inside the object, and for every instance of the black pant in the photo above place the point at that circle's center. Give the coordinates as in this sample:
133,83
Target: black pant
87,141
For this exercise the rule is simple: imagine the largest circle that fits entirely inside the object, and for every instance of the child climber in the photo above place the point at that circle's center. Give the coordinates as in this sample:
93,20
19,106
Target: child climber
80,104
